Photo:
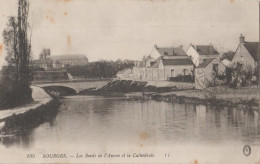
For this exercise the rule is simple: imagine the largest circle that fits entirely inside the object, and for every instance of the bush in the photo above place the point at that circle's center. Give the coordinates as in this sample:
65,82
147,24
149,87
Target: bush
241,75
182,78
13,94
100,69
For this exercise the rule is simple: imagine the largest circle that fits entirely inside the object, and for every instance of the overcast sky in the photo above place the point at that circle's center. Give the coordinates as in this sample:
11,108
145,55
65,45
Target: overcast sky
128,29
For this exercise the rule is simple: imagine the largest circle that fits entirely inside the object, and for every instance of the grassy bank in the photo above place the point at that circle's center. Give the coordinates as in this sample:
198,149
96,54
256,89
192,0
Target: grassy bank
23,123
219,96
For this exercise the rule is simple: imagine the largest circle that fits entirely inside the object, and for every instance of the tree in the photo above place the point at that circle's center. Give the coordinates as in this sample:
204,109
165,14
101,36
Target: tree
10,35
18,47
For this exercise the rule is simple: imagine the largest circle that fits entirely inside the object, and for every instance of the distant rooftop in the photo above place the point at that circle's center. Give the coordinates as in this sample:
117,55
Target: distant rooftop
205,49
69,57
171,51
252,48
206,63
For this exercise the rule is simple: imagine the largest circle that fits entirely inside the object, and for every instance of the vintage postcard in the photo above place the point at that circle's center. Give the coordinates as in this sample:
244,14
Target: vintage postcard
130,81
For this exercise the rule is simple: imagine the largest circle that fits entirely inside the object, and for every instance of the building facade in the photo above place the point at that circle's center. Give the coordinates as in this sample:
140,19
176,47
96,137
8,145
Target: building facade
246,53
48,62
199,53
206,71
171,62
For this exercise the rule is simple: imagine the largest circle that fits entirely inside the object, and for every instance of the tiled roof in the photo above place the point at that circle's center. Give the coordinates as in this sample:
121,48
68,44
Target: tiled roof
205,50
252,48
171,51
69,57
206,63
185,61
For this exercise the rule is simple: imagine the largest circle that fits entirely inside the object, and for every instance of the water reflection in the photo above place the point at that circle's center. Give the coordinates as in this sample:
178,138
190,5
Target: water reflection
23,128
110,121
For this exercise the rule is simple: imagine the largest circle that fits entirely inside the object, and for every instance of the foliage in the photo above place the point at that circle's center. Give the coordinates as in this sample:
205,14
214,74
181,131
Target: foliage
15,86
241,75
182,78
18,45
100,69
217,79
13,94
227,55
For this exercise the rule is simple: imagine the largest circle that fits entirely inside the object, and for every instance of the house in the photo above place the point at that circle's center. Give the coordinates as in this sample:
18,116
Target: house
204,73
200,52
124,74
170,62
246,52
173,62
143,69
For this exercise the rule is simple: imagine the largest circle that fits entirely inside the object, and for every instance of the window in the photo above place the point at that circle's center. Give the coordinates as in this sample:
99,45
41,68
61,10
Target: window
215,68
184,72
165,53
172,72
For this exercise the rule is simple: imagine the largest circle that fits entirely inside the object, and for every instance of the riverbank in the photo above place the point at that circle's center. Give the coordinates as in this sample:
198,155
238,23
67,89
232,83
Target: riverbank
181,93
19,119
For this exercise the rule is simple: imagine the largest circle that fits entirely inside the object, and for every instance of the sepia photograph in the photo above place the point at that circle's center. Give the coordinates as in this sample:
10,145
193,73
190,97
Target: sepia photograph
130,81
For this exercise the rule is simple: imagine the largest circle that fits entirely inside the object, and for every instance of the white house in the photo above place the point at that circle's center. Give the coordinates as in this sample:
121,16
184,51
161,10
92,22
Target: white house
200,52
173,61
204,72
246,52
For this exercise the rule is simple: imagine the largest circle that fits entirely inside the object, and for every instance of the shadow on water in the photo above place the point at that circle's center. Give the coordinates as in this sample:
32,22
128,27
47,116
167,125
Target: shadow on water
18,128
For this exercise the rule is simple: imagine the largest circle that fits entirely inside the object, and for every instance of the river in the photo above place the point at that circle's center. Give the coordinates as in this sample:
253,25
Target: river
167,131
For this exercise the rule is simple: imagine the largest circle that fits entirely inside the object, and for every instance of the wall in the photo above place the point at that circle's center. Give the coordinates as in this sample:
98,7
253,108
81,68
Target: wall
126,74
209,69
204,75
247,58
194,55
178,70
161,71
155,74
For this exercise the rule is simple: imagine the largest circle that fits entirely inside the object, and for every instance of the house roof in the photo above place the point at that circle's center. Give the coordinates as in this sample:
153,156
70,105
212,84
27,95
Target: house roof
206,63
184,61
228,55
156,62
69,57
205,49
252,48
171,51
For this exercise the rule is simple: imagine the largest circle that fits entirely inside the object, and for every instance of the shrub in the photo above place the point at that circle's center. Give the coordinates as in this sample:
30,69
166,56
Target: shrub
182,78
241,75
13,94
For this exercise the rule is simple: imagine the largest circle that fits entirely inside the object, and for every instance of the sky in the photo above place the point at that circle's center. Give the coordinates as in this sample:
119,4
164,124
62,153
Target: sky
128,29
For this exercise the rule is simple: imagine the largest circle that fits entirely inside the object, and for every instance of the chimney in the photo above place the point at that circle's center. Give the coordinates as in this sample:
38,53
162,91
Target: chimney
181,46
155,46
173,51
241,39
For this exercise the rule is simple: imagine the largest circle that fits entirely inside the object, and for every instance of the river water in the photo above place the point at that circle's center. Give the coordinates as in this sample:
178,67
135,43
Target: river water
166,131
